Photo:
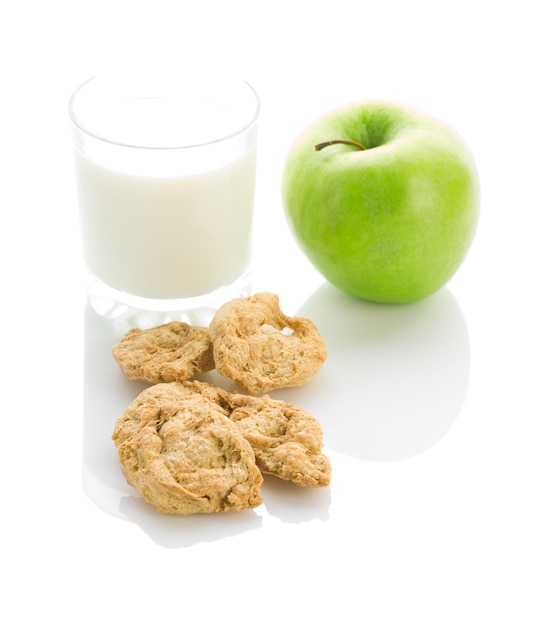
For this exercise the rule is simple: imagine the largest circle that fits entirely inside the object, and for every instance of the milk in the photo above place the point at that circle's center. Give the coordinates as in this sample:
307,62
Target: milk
164,237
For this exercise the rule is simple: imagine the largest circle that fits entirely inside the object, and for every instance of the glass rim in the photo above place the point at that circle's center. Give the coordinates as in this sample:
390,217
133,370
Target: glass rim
84,129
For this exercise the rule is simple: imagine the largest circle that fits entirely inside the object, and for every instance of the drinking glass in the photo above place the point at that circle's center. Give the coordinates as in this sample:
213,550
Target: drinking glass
165,170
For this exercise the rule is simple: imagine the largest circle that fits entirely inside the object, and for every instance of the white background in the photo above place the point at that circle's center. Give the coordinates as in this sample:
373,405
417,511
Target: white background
432,414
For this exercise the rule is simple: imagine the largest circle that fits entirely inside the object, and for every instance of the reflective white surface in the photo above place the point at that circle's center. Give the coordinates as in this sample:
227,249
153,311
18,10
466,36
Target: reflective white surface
432,412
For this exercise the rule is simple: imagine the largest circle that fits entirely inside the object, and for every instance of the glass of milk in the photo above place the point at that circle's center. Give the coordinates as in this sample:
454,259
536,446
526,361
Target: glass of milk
165,169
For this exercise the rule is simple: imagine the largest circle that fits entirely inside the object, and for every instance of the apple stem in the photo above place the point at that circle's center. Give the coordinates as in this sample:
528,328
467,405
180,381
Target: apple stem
348,142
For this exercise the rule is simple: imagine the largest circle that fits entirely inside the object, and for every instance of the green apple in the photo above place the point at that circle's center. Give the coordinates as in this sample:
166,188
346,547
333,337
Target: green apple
383,199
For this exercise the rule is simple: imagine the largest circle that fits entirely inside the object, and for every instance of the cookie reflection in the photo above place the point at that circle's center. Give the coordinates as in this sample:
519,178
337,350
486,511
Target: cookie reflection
107,394
396,376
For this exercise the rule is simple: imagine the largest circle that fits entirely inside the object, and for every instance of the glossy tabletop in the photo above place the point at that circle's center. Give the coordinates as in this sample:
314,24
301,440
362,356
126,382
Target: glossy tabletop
432,412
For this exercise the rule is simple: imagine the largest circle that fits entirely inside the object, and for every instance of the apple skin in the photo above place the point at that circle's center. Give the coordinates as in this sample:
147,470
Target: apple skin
391,223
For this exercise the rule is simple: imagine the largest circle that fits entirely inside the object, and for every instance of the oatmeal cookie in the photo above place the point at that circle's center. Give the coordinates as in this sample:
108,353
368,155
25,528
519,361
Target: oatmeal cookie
260,348
287,441
184,455
168,353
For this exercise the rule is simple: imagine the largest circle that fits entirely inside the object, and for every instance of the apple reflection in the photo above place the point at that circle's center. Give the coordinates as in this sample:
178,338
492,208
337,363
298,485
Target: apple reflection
396,376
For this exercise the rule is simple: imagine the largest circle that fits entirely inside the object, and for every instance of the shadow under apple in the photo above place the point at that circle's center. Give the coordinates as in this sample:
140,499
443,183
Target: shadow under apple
396,376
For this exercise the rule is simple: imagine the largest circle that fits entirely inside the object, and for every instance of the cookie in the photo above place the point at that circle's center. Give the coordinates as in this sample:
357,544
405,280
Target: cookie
183,454
261,349
287,441
171,352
